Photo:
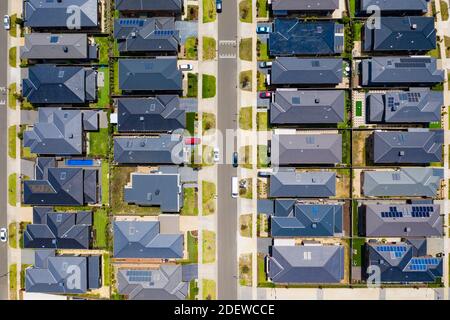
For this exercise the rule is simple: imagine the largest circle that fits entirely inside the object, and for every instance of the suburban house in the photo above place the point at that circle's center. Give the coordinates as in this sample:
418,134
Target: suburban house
413,106
306,72
156,35
297,149
164,283
152,114
60,186
163,149
285,7
144,240
406,182
289,184
403,220
401,34
60,131
306,264
58,230
295,107
63,274
398,7
51,84
155,189
415,146
165,6
405,262
61,14
51,46
156,74
297,219
296,37
400,71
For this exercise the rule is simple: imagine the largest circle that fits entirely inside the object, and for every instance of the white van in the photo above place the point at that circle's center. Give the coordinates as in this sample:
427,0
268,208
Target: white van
234,187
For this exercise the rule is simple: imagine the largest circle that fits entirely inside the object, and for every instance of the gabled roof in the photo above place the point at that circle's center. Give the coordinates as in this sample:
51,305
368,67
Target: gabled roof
307,107
412,146
165,283
291,70
404,262
403,220
42,14
155,189
307,220
414,106
288,184
149,5
157,74
153,114
51,84
306,264
142,239
292,149
386,71
58,230
164,149
151,34
294,37
305,5
412,182
401,34
399,6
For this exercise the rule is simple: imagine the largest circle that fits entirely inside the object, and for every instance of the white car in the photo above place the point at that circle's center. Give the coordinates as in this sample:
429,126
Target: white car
186,67
3,235
216,155
7,22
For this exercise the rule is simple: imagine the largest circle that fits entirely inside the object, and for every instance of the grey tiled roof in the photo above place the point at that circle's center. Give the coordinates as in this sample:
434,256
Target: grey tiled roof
399,6
305,5
149,5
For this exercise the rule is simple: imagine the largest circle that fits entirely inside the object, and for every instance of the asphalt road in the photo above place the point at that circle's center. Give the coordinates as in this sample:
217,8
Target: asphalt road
227,119
3,152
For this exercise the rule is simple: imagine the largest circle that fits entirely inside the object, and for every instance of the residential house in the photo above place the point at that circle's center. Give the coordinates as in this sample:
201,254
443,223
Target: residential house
290,184
398,7
285,7
165,6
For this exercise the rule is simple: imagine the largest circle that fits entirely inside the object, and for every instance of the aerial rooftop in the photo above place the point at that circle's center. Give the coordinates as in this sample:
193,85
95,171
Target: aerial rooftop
397,6
173,6
283,7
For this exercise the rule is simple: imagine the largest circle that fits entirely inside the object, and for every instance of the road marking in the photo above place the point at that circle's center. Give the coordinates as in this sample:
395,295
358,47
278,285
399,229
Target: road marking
227,49
227,42
2,102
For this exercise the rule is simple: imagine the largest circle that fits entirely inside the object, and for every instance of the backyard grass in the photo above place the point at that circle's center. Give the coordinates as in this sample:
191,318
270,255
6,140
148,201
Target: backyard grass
208,197
208,86
261,81
209,246
105,182
357,29
209,48
12,57
106,270
357,251
435,53
359,108
117,90
101,222
190,47
12,137
13,281
192,85
261,7
22,227
262,121
346,147
444,10
247,192
190,207
245,80
245,118
12,189
208,121
447,45
262,51
245,11
245,49
103,92
245,222
23,269
209,11
98,143
192,247
12,235
190,122
193,290
12,102
261,269
103,44
263,160
245,269
352,8
209,289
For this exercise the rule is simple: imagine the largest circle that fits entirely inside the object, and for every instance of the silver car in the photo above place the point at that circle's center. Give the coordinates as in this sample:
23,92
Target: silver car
3,235
7,22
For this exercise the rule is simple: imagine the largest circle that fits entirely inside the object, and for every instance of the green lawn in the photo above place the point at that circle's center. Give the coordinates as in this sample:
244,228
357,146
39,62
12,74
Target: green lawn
192,247
208,86
190,48
263,159
209,11
346,147
208,121
261,7
209,246
261,269
22,228
261,81
190,122
262,121
22,275
209,48
434,125
12,138
357,29
193,290
245,80
103,44
357,251
101,222
106,270
13,281
435,53
245,49
190,207
117,89
12,189
245,118
209,289
13,23
12,57
208,197
444,10
192,13
12,103
352,8
245,11
12,235
105,182
192,85
359,108
262,51
103,92
98,143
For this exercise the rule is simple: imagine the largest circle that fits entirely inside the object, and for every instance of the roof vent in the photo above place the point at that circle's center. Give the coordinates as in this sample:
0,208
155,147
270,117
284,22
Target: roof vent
317,100
414,26
407,230
314,225
142,143
157,192
133,34
141,118
401,153
65,49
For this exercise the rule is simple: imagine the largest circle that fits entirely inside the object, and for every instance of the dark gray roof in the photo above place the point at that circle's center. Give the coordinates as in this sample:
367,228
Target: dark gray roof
304,71
149,5
51,84
155,189
157,74
388,71
414,146
412,182
305,5
57,46
307,107
151,34
142,239
292,149
53,13
153,114
403,220
163,149
164,283
416,106
401,34
306,220
399,6
288,184
307,264
58,230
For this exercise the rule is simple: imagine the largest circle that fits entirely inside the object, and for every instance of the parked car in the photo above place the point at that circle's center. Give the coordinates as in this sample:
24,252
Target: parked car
265,64
7,22
263,29
3,235
186,67
265,94
219,6
216,155
264,174
235,159
192,141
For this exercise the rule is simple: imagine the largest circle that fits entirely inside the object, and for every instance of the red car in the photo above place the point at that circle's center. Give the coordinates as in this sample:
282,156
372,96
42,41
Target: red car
192,141
265,94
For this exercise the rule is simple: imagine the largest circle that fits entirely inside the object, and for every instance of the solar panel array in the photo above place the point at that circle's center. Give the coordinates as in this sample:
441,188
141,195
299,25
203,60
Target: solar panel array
131,22
164,32
392,213
422,264
422,211
139,275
